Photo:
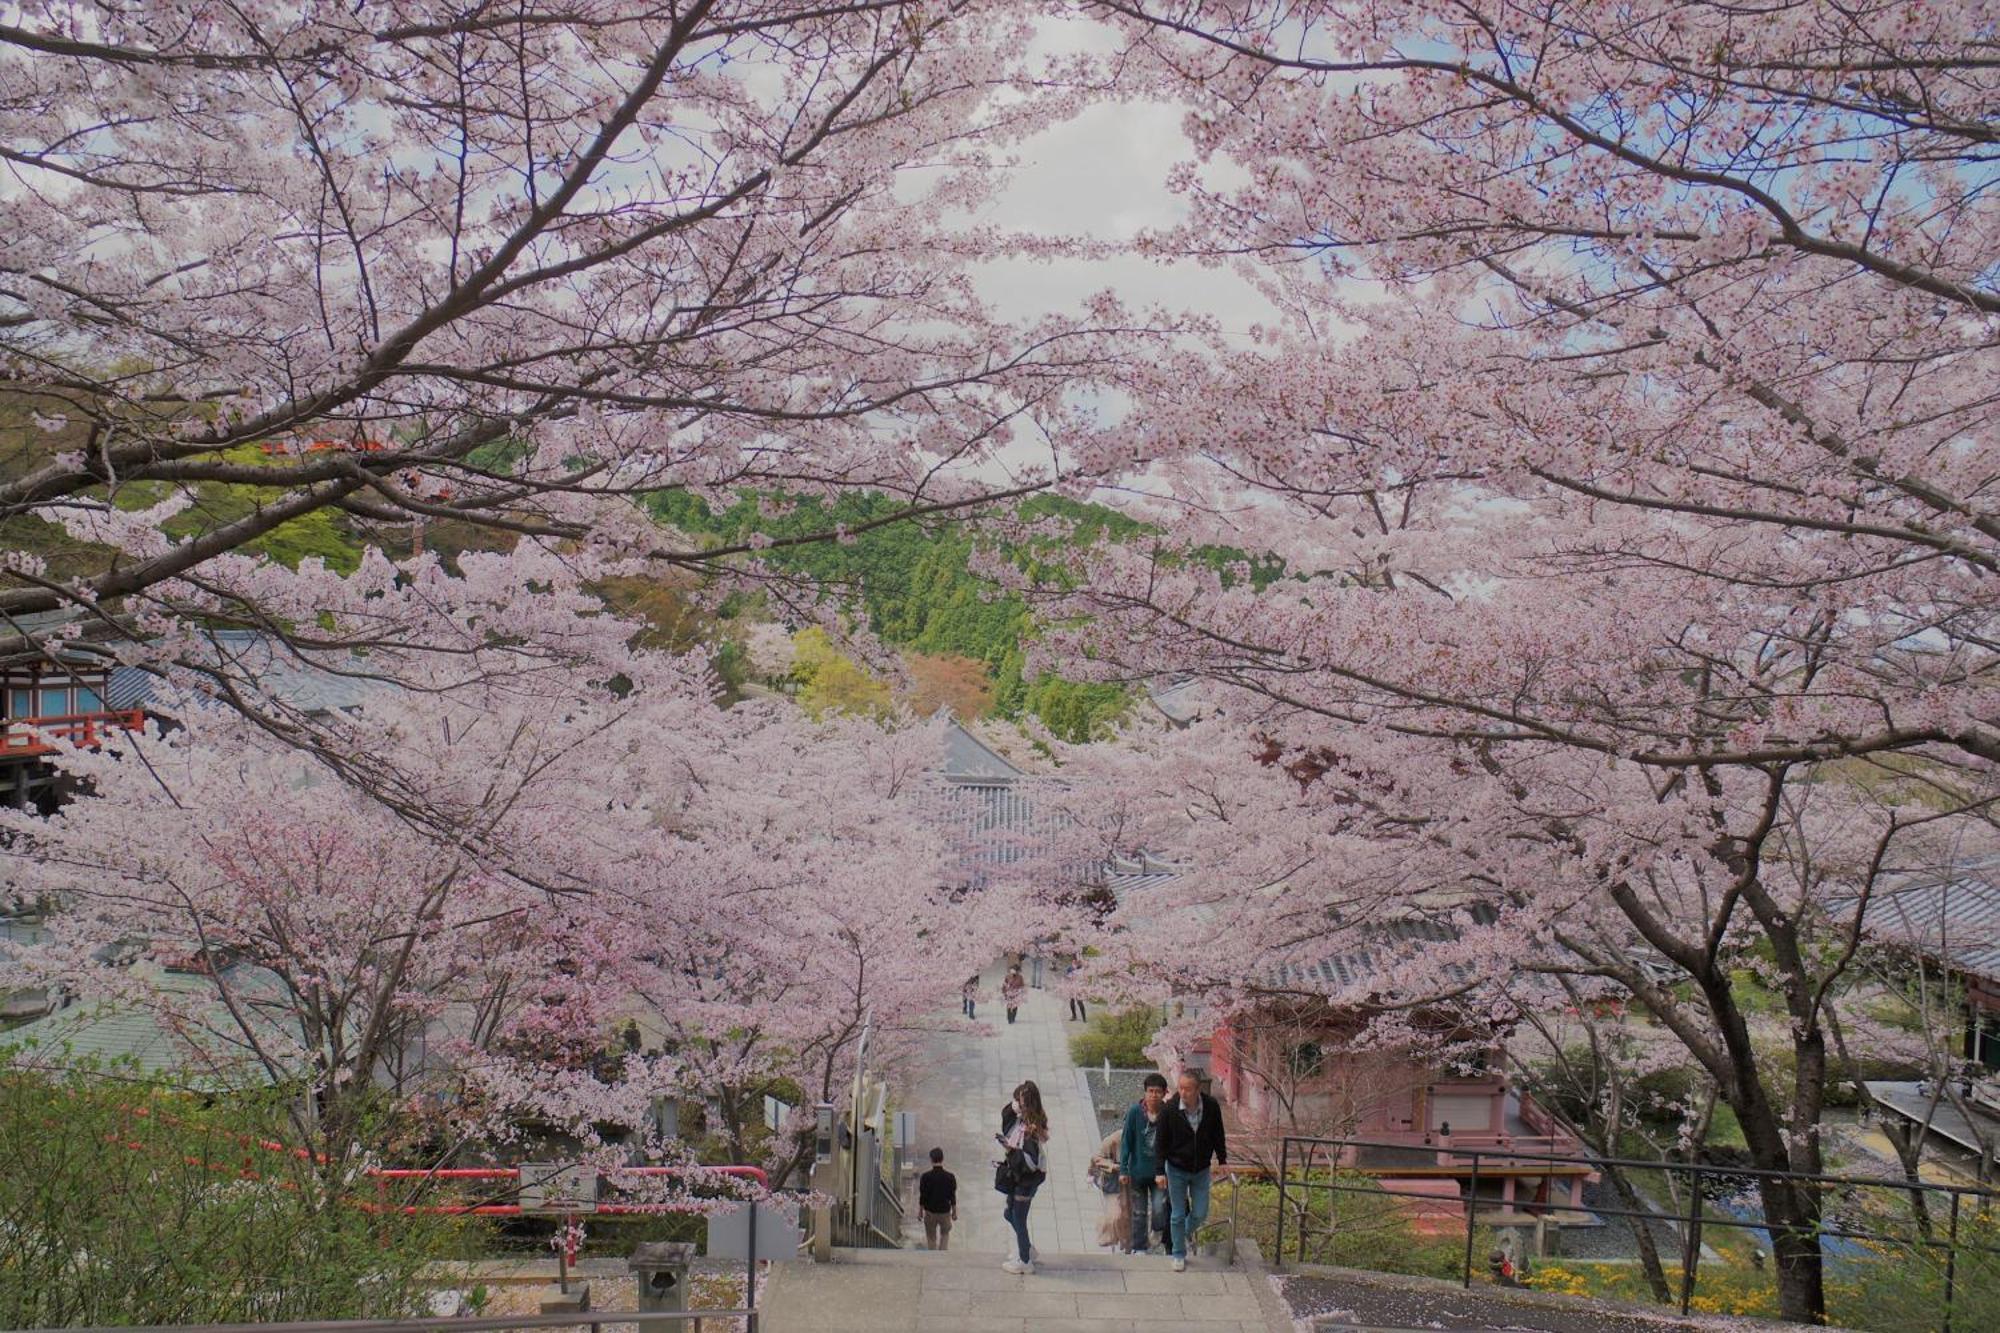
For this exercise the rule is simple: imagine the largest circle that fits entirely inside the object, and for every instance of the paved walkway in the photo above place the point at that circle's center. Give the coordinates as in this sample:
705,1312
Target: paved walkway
914,1291
1077,1287
957,1095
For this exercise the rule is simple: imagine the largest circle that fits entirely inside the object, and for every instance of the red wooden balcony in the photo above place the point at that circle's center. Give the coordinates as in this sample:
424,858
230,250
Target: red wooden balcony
23,736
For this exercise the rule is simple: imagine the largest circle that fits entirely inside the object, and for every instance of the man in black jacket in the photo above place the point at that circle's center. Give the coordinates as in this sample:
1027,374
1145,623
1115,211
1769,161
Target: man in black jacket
937,1199
1191,1138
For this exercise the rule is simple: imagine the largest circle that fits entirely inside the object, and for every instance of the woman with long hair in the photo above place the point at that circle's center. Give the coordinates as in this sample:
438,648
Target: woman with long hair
1024,1129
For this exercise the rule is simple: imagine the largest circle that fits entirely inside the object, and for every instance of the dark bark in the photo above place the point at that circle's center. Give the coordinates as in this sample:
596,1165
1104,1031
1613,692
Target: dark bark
1649,1250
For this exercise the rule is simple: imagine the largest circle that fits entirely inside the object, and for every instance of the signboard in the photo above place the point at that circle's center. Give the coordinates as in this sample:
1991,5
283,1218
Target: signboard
558,1187
776,1233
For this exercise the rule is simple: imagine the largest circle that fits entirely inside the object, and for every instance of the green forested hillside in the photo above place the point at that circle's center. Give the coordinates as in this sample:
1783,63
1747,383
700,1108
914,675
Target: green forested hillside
911,583
915,588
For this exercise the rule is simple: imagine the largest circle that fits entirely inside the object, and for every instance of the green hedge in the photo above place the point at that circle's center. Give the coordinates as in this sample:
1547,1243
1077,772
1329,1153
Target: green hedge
1120,1037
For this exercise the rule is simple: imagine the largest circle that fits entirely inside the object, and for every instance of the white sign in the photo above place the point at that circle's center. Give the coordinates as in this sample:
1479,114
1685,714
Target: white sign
558,1187
777,1233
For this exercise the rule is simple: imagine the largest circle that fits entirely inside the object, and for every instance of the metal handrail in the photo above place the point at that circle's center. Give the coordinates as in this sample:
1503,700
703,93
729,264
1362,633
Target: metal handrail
1653,1164
439,1324
1691,1224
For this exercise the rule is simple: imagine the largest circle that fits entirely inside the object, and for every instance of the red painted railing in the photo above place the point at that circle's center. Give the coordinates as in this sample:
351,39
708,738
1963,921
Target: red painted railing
39,735
382,1175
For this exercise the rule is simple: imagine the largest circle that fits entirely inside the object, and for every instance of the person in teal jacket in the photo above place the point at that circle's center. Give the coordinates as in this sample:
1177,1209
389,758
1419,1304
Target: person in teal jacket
1140,1169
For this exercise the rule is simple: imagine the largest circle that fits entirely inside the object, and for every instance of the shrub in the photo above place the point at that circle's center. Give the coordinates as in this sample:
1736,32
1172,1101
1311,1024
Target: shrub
1119,1037
123,1202
1357,1225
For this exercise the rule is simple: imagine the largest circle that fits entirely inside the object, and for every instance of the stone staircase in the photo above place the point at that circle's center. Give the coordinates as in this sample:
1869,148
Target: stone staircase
965,1291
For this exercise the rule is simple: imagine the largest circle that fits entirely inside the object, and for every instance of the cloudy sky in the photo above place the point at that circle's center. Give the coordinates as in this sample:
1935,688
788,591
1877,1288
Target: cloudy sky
1102,175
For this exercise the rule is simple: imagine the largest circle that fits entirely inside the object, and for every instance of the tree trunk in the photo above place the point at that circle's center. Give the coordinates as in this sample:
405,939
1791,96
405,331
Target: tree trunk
1791,1210
1649,1252
1791,1207
1908,1140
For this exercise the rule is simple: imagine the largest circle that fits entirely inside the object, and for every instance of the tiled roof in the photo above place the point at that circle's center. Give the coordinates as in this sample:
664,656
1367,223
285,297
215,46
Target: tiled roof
22,641
1179,698
276,669
1390,943
1954,917
207,1050
1125,878
969,759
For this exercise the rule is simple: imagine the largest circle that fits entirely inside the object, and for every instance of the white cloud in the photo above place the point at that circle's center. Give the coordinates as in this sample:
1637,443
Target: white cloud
1102,177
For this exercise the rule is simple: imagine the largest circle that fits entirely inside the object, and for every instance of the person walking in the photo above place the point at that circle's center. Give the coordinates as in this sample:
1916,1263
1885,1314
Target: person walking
1139,1167
1077,1013
1024,1131
1035,962
1114,1228
937,1198
1191,1139
1011,990
968,995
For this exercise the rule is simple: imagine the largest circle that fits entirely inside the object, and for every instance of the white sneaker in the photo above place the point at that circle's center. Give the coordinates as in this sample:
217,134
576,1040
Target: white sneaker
1034,1253
1016,1266
1180,1265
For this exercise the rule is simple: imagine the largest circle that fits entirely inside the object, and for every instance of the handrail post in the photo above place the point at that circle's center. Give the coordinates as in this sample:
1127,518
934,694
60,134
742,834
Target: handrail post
1306,1198
1471,1216
1284,1170
750,1275
1951,1261
1235,1199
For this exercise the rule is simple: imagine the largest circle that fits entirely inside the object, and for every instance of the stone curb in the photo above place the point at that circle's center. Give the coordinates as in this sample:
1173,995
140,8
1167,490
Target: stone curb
1504,1299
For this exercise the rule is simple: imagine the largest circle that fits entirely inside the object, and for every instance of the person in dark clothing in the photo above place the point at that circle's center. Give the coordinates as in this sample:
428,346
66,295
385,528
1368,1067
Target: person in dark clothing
1024,1129
1139,1168
1191,1140
937,1199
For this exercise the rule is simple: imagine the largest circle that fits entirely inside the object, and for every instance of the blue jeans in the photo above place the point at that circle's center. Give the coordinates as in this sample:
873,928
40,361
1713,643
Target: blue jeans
1187,1194
1147,1199
1017,1215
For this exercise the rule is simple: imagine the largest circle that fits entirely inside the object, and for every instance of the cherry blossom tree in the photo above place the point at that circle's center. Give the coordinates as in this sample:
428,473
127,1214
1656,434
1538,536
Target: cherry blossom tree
1627,439
474,283
529,865
829,911
436,265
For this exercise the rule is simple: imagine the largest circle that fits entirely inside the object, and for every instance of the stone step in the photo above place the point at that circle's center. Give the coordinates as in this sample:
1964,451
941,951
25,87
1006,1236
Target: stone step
966,1291
968,1257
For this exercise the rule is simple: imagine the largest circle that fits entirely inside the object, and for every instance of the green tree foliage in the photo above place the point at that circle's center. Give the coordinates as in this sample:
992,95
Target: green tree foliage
317,535
24,445
914,586
122,1202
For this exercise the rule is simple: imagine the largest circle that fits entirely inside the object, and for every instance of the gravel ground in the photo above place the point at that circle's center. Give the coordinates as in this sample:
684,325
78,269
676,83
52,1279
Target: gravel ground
1110,1098
1348,1303
1616,1239
719,1291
